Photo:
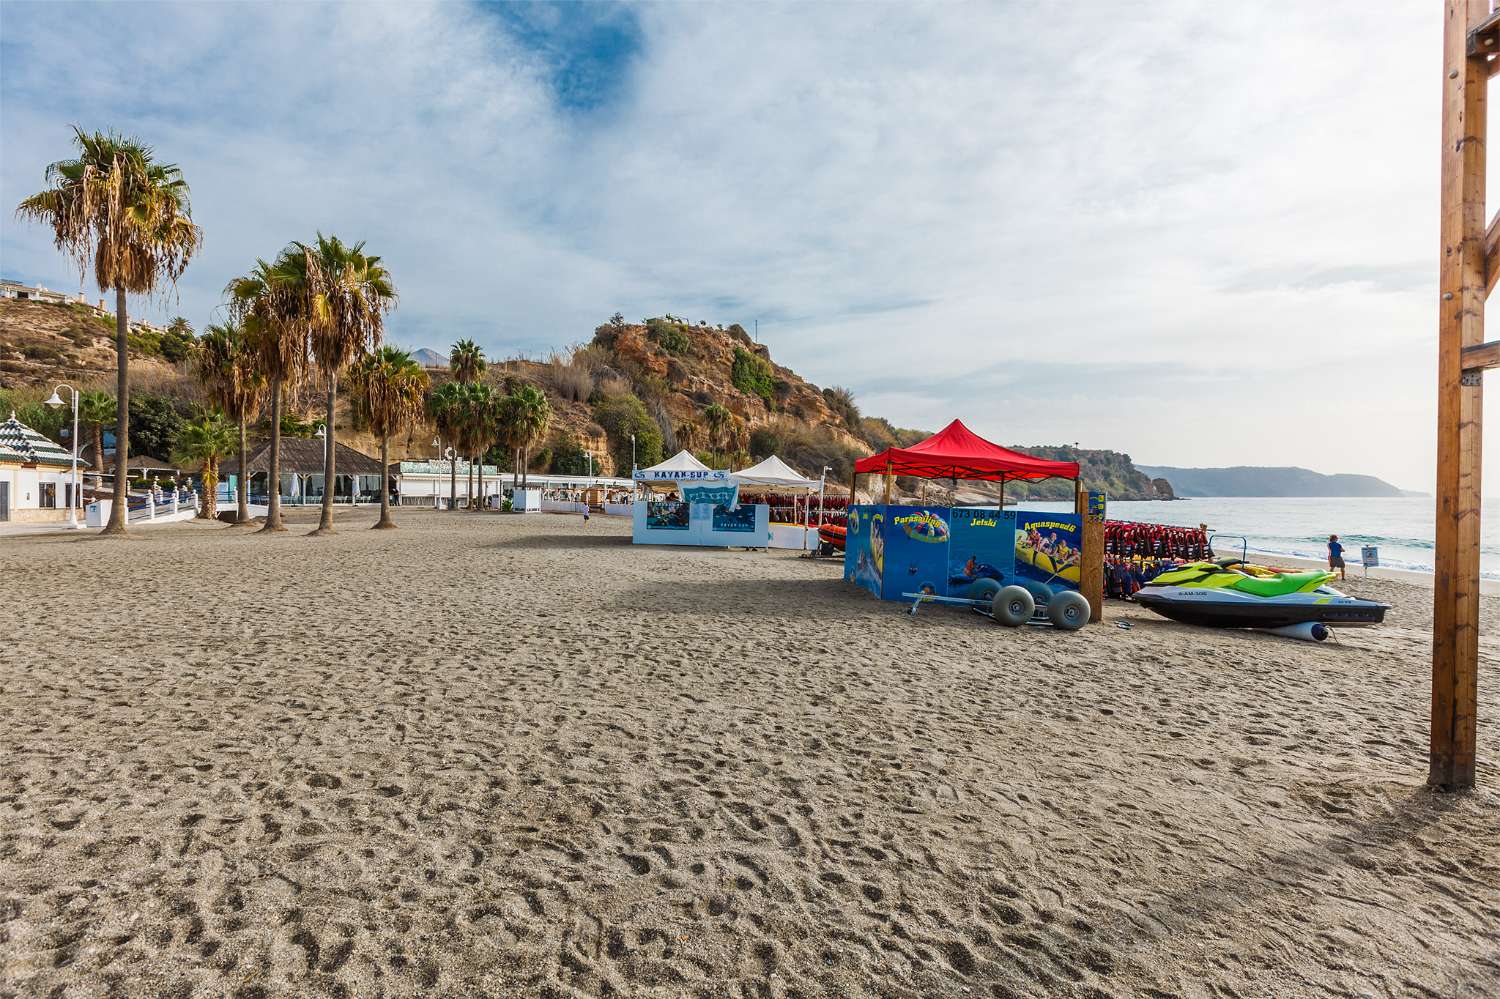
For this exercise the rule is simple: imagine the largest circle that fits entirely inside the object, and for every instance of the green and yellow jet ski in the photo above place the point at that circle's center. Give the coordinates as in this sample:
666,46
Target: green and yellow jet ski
1233,594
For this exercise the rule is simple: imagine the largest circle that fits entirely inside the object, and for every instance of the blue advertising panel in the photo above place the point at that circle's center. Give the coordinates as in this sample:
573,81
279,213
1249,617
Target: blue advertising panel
983,547
1049,549
667,515
864,548
891,550
916,551
739,520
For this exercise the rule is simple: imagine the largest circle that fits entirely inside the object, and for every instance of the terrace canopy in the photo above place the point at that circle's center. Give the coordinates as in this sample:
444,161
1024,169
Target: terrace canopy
956,452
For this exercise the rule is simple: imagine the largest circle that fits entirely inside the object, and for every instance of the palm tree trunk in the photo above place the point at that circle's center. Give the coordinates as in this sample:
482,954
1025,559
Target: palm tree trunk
469,485
98,459
210,489
273,480
117,510
325,522
385,521
243,492
525,465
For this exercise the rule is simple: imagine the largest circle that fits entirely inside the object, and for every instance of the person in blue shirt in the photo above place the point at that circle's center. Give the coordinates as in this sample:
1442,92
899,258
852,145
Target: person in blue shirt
1336,555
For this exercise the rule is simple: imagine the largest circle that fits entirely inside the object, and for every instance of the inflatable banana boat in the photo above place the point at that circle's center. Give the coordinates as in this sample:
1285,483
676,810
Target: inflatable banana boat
1233,594
1045,563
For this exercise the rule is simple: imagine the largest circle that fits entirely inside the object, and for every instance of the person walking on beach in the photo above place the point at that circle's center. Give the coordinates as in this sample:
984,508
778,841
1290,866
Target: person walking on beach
1336,555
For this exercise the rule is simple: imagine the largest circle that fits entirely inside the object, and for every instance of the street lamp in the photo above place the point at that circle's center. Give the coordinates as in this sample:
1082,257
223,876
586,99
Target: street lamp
632,455
54,402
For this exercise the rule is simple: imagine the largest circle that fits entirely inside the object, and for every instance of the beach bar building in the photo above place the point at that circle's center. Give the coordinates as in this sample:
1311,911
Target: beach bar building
356,474
36,478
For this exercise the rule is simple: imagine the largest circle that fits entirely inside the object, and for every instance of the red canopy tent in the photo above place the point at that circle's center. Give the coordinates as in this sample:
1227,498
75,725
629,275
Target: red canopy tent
956,452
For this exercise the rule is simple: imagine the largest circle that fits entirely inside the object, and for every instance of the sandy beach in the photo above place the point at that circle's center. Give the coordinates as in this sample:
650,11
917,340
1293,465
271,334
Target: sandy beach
505,756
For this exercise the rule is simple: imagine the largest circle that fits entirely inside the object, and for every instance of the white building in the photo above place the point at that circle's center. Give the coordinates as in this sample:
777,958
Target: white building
426,483
36,479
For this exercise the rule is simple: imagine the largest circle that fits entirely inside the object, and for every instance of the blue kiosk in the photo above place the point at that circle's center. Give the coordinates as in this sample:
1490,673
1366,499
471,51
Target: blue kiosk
970,553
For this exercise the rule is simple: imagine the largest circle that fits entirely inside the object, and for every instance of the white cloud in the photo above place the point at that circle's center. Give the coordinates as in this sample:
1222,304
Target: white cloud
1232,202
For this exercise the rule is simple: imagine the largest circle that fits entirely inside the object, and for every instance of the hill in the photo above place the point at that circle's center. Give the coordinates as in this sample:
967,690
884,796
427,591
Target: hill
673,384
1252,480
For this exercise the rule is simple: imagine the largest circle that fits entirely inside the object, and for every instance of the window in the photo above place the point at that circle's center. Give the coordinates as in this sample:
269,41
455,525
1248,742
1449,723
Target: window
47,496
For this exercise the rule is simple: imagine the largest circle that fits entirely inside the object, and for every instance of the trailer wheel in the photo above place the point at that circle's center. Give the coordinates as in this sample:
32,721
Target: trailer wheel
1013,605
1068,610
983,589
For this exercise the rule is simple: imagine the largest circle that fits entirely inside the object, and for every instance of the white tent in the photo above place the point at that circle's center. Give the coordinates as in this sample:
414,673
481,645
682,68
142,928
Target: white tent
777,475
682,461
681,468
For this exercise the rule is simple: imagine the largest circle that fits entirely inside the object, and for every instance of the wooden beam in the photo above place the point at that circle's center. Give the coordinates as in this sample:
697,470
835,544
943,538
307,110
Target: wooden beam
1483,38
1482,357
1462,293
1492,249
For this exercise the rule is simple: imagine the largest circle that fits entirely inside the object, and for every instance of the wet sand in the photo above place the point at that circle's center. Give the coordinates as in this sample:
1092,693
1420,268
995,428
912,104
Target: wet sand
516,757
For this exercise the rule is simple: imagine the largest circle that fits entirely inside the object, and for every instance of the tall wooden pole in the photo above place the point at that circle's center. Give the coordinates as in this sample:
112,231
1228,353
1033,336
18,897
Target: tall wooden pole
1462,293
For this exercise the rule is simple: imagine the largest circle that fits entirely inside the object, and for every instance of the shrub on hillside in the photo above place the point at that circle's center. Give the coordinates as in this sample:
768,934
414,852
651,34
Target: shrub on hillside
669,336
841,401
752,375
568,457
621,416
764,442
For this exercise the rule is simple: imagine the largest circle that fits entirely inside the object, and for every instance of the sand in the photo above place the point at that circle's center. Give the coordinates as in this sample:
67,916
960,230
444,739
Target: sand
514,756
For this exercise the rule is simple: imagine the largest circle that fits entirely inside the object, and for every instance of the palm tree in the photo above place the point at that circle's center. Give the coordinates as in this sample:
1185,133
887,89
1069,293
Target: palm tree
531,413
233,381
115,208
206,439
445,407
95,409
268,303
507,427
466,361
477,433
717,418
388,391
349,293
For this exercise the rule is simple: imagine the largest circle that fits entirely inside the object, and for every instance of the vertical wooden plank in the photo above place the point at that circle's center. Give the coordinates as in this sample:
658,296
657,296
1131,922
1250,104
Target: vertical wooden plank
890,482
1091,558
1462,292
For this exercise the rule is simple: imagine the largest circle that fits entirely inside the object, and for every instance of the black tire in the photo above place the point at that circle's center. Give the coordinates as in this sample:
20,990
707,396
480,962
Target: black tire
1068,610
984,589
1013,606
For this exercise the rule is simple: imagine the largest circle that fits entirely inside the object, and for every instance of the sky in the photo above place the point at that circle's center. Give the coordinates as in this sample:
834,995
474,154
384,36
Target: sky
1202,234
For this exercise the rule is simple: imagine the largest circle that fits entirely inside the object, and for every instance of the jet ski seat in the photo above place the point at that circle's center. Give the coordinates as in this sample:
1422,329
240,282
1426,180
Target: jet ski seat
1279,586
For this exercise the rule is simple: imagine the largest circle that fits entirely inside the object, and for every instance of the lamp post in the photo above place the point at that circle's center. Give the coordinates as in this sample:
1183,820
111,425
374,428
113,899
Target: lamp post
54,402
632,455
822,484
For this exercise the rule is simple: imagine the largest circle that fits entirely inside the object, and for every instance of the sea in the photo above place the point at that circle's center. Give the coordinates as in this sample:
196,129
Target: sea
1401,528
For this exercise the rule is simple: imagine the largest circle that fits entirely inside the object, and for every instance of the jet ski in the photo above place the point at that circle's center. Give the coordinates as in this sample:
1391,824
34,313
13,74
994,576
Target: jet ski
1233,594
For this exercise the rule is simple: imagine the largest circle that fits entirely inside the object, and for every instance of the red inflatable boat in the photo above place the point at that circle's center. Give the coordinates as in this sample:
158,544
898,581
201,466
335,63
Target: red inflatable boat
832,535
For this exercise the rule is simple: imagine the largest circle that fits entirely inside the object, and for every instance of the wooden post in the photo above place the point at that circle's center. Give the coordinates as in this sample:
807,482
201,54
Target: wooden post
1462,290
1091,558
890,481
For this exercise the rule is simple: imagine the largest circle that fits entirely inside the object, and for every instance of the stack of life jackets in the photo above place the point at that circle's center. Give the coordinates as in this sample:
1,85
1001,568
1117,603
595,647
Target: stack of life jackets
1128,539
